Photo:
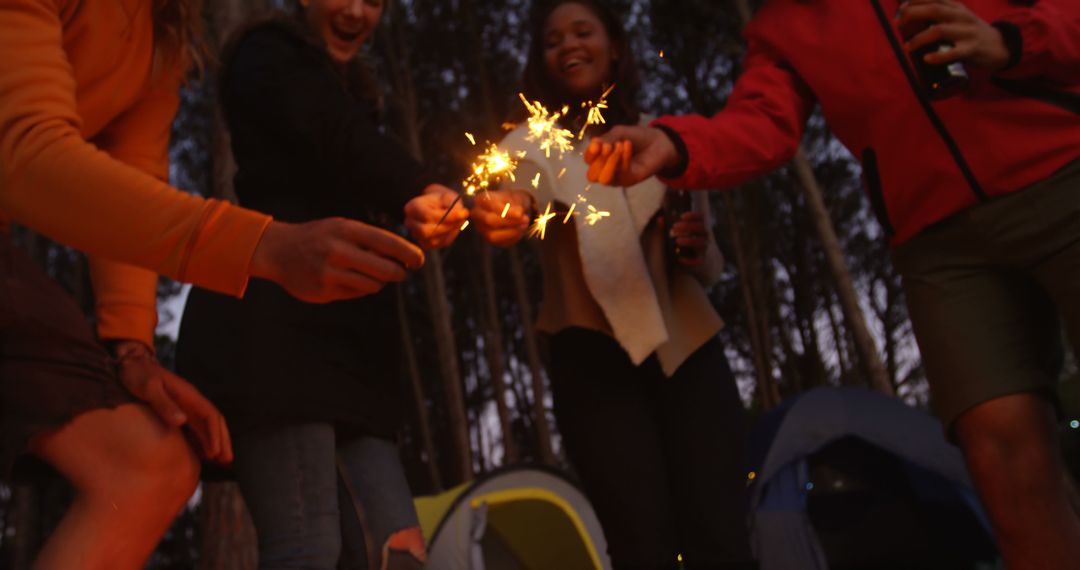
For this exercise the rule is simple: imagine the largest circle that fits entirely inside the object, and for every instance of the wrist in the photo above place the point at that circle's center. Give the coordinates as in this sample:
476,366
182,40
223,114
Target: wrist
263,263
123,350
677,158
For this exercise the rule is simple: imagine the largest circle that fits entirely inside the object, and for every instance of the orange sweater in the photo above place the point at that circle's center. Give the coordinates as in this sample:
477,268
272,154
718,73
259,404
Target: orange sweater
84,132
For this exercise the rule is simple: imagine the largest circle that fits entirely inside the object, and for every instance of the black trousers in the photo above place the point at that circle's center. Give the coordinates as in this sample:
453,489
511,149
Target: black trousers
661,459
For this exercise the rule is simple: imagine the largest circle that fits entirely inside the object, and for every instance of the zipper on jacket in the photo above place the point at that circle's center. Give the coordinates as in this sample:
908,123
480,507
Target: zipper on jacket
935,120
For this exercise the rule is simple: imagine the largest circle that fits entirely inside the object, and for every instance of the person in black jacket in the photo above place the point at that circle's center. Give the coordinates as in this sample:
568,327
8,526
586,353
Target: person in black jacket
311,391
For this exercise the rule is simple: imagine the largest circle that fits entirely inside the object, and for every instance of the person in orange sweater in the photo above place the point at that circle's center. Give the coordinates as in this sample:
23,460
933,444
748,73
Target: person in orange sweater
87,95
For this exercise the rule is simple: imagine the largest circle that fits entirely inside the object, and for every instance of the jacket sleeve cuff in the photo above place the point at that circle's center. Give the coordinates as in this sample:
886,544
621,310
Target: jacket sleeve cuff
220,255
127,322
680,148
1014,41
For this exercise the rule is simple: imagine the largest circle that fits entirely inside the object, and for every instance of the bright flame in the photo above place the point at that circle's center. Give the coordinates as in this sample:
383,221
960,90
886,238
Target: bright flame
595,117
661,54
543,128
488,169
595,215
472,140
540,224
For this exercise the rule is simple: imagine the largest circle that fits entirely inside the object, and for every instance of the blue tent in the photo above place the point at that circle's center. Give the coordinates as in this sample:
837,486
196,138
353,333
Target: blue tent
848,477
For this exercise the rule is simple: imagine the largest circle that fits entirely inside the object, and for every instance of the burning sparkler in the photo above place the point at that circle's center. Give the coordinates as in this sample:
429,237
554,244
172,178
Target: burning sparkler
543,128
595,116
539,227
594,216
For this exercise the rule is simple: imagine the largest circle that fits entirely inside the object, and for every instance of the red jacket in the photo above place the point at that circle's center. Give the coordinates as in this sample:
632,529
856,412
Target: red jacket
1005,132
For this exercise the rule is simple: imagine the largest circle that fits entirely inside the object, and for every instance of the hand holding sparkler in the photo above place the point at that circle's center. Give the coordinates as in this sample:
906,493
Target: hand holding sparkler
436,217
502,216
650,151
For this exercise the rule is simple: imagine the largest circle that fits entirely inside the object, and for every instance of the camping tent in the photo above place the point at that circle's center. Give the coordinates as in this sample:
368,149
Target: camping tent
514,518
850,478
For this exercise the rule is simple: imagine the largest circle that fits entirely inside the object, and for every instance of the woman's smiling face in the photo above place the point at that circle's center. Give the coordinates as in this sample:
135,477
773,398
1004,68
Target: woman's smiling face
578,53
343,24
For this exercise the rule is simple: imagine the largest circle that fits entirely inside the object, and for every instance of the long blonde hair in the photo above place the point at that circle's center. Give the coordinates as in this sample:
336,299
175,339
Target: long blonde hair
179,33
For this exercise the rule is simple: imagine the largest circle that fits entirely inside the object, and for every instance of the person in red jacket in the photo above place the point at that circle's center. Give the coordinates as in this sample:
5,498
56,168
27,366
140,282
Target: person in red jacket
979,193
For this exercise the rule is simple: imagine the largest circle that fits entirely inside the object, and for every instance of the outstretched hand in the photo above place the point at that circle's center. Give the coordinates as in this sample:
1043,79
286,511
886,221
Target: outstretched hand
502,216
974,40
174,400
424,217
626,155
333,259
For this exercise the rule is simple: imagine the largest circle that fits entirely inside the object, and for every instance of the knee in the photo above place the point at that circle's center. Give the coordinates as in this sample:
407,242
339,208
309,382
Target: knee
162,471
1010,435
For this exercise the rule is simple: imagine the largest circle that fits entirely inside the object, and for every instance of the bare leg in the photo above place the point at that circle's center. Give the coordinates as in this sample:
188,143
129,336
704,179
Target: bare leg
1012,452
131,475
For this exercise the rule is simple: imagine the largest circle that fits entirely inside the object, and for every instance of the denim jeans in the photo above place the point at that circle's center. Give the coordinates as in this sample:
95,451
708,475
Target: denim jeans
319,503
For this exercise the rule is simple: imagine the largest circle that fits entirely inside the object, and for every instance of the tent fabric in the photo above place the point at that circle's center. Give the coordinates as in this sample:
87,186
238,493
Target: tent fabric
785,441
823,415
518,517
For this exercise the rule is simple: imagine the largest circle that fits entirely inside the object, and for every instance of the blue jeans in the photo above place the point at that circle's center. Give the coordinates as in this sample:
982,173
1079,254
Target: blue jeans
318,502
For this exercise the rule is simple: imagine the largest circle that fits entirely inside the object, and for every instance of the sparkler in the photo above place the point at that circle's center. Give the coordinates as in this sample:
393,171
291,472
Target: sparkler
489,168
495,164
543,128
594,216
540,224
594,116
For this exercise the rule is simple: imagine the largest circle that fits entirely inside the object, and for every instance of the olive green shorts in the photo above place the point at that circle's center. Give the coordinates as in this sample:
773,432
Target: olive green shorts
988,289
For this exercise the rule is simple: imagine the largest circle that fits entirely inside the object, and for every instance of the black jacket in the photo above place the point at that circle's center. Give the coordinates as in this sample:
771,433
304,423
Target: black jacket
307,146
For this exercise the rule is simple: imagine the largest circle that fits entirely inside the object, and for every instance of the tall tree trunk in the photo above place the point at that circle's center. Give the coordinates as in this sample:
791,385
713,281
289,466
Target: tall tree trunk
227,535
839,339
393,47
845,287
484,284
492,329
419,400
853,316
532,353
766,388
